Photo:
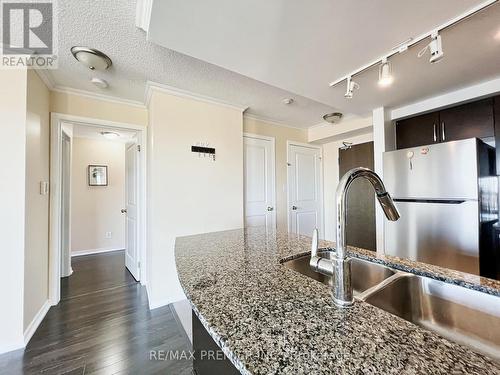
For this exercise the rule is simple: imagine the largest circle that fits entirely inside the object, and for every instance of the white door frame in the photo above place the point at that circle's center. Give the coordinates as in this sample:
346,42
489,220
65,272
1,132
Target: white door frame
321,200
273,162
56,122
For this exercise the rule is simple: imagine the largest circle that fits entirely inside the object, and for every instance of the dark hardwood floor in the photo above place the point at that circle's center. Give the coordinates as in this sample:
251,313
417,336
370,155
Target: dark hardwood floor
102,325
92,273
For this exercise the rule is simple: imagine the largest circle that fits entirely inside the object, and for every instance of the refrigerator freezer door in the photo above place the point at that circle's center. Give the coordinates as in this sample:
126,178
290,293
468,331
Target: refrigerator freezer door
440,171
443,234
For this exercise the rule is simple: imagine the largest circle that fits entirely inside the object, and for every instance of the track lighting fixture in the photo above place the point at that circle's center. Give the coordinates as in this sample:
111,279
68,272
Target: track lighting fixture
385,77
351,86
435,48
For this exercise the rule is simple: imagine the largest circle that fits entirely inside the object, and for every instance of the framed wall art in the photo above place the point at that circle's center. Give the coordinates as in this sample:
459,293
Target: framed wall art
98,175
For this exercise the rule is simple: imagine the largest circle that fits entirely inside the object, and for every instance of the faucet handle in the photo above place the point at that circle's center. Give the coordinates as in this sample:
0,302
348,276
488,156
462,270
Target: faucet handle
318,264
314,244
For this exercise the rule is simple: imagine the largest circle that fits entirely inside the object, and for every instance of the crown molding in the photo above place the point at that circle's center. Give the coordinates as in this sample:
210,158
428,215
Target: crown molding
271,121
46,77
448,99
154,86
143,14
93,95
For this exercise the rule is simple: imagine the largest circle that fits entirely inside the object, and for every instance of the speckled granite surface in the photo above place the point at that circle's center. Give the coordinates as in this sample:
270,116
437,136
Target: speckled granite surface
271,320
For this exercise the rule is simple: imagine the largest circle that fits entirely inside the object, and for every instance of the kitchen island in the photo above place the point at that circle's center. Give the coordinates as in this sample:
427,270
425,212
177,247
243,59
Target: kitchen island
268,319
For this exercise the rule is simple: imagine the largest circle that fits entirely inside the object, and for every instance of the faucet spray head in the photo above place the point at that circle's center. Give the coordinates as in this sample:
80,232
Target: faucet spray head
387,204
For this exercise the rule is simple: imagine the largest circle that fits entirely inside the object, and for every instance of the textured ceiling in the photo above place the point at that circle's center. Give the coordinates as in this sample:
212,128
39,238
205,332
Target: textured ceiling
110,27
471,54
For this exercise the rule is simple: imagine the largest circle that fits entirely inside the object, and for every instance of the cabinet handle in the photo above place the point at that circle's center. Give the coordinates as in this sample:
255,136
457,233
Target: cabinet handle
435,133
443,132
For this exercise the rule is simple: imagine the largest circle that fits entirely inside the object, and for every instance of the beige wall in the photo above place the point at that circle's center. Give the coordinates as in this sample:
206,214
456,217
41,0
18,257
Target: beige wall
12,201
80,105
187,194
281,135
95,210
36,255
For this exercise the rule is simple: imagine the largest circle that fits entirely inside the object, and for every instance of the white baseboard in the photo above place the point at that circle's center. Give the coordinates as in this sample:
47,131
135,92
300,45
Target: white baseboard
29,332
19,344
93,251
154,304
160,303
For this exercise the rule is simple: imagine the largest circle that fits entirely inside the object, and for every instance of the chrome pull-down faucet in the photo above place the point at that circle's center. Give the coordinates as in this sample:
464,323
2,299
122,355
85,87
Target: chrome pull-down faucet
339,266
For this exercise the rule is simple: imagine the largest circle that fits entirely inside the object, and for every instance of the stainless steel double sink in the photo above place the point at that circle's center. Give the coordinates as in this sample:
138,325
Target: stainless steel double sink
466,316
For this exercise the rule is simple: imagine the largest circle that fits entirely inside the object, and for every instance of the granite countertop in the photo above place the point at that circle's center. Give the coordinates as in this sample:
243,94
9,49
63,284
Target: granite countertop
269,319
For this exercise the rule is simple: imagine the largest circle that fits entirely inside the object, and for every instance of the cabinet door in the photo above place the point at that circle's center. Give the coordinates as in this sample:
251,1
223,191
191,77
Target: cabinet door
497,138
418,131
467,121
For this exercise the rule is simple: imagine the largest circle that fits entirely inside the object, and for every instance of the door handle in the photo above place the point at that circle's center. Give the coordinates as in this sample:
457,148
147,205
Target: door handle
270,208
435,133
294,208
123,210
443,131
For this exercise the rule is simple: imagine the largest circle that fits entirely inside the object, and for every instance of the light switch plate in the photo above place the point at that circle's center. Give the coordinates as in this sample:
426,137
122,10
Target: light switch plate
44,188
108,235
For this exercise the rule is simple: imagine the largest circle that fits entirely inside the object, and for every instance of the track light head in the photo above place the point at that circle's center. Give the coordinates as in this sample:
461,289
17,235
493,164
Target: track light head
351,86
385,77
435,47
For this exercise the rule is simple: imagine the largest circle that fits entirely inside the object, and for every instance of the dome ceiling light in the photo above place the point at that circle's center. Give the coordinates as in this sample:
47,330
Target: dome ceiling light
91,58
332,118
110,135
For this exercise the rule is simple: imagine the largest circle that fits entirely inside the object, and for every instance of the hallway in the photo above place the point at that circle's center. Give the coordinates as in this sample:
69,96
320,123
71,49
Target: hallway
102,325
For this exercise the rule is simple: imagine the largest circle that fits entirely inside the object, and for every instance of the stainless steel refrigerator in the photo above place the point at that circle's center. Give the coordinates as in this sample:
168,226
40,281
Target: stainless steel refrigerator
446,194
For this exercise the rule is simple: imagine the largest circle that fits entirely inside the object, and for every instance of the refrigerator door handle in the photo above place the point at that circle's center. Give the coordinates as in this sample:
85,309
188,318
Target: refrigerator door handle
422,200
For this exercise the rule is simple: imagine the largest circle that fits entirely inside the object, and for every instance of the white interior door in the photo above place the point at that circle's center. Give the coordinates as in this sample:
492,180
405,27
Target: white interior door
65,206
305,203
131,251
258,155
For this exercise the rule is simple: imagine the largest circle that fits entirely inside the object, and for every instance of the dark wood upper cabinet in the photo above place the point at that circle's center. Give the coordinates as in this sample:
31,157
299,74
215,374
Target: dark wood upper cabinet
471,120
467,121
418,131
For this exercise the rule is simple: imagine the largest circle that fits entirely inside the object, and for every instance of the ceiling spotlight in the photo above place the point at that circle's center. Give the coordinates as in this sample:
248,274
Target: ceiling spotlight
385,77
110,135
346,145
351,86
101,83
435,48
288,101
91,58
332,118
